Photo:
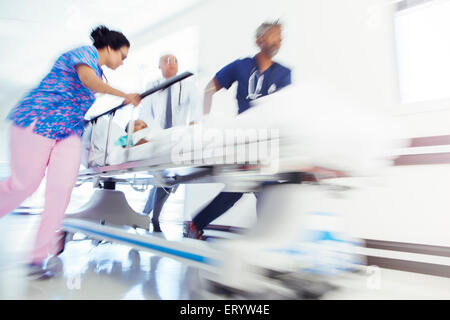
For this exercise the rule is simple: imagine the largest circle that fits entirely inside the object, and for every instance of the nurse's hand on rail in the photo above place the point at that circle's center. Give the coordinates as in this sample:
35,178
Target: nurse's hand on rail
134,98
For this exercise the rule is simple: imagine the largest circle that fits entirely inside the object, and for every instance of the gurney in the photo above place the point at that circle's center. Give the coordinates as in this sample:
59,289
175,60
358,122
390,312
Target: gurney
275,154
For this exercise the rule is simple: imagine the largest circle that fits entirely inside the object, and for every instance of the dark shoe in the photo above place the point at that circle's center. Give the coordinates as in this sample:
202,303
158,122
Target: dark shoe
35,270
193,232
156,227
44,271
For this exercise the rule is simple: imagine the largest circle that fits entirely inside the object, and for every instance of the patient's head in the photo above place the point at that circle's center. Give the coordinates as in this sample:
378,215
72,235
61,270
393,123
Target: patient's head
139,125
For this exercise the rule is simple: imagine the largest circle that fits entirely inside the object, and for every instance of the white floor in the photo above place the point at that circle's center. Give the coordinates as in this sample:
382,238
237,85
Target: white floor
112,271
88,270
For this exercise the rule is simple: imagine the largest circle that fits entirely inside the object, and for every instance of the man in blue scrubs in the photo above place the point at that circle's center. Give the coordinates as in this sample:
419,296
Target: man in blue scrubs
257,77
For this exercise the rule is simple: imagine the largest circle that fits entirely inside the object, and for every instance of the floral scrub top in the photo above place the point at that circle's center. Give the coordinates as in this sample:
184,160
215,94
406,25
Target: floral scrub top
60,102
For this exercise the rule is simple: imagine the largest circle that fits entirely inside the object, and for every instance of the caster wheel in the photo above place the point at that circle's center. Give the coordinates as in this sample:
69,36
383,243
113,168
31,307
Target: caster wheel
69,237
95,242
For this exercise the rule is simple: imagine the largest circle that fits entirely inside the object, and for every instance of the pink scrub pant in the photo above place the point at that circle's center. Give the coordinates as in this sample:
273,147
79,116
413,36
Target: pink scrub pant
31,155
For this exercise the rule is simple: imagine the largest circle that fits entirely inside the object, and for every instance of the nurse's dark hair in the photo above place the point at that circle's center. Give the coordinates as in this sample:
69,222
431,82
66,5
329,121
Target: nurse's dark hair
103,37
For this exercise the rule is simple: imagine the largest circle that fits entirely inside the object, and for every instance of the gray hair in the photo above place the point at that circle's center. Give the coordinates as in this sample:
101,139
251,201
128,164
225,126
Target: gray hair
265,26
164,55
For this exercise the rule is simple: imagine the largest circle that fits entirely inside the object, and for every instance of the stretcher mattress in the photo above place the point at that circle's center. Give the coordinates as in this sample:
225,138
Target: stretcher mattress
307,130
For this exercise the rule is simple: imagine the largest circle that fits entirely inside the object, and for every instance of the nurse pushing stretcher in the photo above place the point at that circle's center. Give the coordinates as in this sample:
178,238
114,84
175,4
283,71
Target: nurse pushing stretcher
47,125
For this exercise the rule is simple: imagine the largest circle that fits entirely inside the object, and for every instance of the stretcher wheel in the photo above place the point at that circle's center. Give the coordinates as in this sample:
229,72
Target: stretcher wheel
95,242
69,237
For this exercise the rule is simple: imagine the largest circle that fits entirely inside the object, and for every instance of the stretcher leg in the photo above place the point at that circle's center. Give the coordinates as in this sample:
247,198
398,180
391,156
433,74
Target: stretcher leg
110,207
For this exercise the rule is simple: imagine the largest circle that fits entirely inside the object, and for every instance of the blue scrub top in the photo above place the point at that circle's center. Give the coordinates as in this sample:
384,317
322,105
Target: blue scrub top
60,101
251,84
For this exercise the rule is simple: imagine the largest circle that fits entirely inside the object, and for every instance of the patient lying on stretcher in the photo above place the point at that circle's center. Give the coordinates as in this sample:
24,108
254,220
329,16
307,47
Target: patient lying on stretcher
322,135
138,125
95,141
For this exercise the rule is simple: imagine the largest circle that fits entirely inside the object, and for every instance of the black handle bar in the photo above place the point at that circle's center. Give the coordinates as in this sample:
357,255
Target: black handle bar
160,86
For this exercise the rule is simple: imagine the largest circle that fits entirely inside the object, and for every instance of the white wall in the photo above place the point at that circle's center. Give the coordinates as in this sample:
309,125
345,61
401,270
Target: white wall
346,46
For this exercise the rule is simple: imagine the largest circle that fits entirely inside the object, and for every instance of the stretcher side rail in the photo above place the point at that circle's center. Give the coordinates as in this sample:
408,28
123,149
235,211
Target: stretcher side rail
161,86
111,113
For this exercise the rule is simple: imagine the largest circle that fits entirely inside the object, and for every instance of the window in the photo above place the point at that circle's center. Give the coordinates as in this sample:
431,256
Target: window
422,30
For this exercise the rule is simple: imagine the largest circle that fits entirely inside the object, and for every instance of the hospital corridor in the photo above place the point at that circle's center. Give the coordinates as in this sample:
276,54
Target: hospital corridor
213,150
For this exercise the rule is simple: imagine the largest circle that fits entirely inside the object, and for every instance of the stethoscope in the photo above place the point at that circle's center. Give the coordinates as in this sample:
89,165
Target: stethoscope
179,93
254,69
102,74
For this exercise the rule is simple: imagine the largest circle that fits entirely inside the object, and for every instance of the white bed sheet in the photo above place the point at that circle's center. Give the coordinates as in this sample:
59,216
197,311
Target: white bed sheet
314,131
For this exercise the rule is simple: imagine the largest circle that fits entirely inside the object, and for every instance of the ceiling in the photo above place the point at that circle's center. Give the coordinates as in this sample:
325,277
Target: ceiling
34,33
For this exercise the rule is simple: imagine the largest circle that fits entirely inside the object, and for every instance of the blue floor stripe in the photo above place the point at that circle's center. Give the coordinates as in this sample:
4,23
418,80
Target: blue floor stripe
178,253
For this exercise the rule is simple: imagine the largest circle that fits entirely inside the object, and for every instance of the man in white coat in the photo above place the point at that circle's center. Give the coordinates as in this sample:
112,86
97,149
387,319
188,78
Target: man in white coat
178,105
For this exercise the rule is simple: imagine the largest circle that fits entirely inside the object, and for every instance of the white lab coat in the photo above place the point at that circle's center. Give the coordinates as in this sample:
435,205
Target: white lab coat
186,105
